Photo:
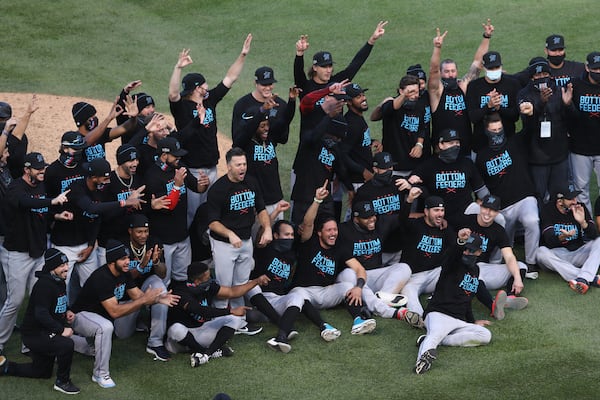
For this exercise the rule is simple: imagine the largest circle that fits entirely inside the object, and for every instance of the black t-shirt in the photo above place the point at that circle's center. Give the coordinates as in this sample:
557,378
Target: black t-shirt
263,166
358,142
451,113
194,307
97,150
426,247
455,289
505,171
318,266
492,237
477,99
101,286
454,182
366,246
584,122
135,262
47,308
235,205
277,265
553,221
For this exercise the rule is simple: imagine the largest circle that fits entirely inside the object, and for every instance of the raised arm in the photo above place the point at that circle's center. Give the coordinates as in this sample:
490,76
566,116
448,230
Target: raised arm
434,84
475,68
236,68
24,120
308,222
183,61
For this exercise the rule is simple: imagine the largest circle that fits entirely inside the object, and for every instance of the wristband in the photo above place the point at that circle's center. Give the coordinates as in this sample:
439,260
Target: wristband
317,200
487,36
178,188
460,242
360,282
419,144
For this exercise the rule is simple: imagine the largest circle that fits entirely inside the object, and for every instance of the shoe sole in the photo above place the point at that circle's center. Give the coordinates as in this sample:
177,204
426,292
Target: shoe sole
366,327
101,385
292,335
249,333
516,303
424,363
499,304
279,346
195,364
329,335
155,354
59,389
413,319
578,287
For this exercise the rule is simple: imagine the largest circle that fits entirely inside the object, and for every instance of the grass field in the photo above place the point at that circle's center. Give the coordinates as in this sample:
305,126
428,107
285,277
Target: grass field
92,49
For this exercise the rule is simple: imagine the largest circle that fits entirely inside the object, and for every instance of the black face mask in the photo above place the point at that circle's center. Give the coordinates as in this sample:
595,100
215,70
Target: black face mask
450,83
201,288
496,140
410,104
282,245
386,178
596,77
556,60
69,160
450,154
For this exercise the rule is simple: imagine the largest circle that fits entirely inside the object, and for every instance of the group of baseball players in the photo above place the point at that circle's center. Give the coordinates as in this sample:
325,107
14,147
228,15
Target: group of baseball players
162,244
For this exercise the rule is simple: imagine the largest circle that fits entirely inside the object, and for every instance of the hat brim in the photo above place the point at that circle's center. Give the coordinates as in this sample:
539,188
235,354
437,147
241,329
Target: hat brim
179,153
267,81
495,65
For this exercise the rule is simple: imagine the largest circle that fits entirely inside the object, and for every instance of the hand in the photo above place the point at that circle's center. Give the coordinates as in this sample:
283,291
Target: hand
246,47
294,92
61,198
263,280
270,103
438,40
156,254
379,31
482,322
526,108
414,179
180,175
131,108
464,234
321,193
354,296
402,184
168,299
266,237
488,28
203,181
156,123
33,105
282,206
234,240
578,213
135,199
495,100
302,45
201,111
184,59
338,87
376,146
131,86
414,193
10,124
146,259
416,151
567,94
115,110
67,332
64,216
545,94
84,254
565,234
517,286
239,311
160,203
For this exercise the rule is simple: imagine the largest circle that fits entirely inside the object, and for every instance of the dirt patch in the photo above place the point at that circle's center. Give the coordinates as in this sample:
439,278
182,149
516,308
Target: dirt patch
53,118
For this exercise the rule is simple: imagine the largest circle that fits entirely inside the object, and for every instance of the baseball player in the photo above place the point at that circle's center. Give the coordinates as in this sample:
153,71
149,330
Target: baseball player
448,317
100,305
46,327
26,207
145,105
196,324
570,243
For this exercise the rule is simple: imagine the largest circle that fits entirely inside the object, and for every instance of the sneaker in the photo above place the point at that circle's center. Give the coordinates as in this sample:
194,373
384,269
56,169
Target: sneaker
279,345
292,335
159,352
424,363
249,330
579,285
516,302
224,351
329,334
596,281
420,339
105,382
410,317
198,359
362,326
532,275
498,305
66,387
392,299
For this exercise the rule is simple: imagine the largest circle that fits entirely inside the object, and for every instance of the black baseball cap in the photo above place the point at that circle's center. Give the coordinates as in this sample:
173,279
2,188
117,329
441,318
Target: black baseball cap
99,167
171,145
492,59
593,60
264,76
322,59
5,110
383,160
538,65
144,100
35,161
417,71
492,202
555,42
138,221
354,90
362,209
567,191
72,139
434,201
448,135
190,82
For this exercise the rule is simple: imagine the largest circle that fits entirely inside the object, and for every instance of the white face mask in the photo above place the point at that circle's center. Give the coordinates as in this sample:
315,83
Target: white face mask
493,75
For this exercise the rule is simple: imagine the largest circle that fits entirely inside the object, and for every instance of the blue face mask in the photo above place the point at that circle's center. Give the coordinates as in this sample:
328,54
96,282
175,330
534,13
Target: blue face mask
494,75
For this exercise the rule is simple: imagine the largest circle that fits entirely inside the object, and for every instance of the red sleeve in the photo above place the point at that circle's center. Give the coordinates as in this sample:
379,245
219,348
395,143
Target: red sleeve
307,105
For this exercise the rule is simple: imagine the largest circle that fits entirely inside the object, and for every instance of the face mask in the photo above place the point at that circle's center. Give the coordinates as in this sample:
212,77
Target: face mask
69,160
450,83
542,83
91,124
410,104
469,259
556,60
387,178
494,75
283,245
596,77
198,289
496,140
449,155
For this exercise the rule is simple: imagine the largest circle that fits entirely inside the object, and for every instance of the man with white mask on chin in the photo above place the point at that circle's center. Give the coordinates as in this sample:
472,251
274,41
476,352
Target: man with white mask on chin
494,92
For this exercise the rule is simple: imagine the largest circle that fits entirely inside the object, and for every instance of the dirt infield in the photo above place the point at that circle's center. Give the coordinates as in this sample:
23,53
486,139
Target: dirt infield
54,117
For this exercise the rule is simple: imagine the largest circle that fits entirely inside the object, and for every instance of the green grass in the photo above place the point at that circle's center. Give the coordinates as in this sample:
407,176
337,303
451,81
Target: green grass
91,49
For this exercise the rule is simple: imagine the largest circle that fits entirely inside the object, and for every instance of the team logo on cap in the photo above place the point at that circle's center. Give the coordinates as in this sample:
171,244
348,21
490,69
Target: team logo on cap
326,56
452,133
492,57
491,199
367,206
538,69
266,75
571,188
596,59
556,40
